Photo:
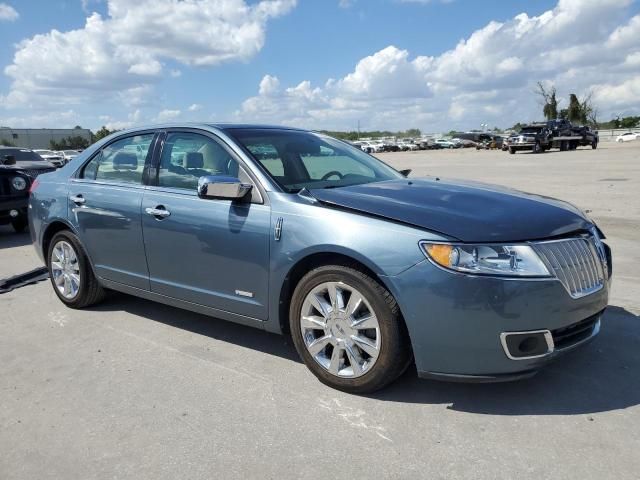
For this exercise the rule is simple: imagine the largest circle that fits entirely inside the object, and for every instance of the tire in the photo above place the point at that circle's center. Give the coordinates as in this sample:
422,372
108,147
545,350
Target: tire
392,348
19,224
537,148
512,150
89,291
594,145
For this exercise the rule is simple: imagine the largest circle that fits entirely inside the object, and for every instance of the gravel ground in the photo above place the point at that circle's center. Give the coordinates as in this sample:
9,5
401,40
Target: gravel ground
133,389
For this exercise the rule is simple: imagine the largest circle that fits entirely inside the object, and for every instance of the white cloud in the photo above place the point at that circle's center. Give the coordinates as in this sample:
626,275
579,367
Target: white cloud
175,73
127,48
167,115
488,77
269,85
346,3
194,107
8,13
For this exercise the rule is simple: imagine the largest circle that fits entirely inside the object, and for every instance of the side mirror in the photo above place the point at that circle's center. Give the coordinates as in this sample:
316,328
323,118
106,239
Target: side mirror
405,173
222,187
9,160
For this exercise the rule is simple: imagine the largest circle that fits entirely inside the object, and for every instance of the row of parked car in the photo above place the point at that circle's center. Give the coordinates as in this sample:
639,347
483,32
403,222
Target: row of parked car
58,158
404,145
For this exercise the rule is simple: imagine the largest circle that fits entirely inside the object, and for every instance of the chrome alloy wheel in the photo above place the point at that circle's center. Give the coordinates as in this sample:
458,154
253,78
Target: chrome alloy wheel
65,269
340,329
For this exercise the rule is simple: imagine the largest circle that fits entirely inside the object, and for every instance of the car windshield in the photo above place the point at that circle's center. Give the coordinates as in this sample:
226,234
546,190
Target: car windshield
297,159
21,154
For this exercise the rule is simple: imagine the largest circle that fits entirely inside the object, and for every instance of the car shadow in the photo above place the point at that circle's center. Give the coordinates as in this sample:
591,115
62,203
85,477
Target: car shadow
599,377
215,328
9,238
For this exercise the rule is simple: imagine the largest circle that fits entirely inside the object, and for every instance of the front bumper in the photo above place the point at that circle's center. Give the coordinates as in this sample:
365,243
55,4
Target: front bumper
12,203
456,321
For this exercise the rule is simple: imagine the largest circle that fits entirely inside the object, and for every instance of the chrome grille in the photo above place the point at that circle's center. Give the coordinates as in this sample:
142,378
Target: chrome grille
575,262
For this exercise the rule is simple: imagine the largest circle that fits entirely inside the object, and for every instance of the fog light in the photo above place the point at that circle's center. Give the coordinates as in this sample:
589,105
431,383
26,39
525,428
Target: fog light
14,213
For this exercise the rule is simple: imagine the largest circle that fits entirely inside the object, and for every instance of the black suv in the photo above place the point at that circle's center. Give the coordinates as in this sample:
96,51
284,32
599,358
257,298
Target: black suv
18,168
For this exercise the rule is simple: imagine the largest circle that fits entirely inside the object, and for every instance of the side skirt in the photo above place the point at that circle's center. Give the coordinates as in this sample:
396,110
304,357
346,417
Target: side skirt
174,302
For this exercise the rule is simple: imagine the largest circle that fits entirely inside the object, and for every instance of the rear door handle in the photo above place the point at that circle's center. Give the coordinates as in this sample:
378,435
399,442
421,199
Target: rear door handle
159,211
78,199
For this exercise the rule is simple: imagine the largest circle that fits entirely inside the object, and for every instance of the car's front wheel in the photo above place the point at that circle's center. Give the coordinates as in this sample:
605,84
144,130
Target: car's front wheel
70,272
348,329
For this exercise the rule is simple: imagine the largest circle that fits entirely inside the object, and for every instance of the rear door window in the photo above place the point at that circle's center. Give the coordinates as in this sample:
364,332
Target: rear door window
122,161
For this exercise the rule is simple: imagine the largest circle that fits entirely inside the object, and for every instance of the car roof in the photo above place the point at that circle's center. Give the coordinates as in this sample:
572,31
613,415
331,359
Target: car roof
219,126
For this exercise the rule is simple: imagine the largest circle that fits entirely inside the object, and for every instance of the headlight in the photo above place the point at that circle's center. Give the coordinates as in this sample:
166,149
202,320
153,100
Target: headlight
503,260
19,183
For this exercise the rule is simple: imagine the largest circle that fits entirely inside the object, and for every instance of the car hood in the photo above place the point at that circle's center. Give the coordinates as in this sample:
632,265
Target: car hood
27,165
467,211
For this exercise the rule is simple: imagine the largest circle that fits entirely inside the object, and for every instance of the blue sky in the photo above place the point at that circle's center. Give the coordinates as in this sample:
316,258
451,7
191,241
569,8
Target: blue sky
394,64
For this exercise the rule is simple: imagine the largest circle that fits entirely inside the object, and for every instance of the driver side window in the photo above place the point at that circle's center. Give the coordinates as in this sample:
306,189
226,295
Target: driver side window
188,156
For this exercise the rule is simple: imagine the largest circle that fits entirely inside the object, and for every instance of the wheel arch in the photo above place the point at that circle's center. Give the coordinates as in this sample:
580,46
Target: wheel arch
309,262
50,231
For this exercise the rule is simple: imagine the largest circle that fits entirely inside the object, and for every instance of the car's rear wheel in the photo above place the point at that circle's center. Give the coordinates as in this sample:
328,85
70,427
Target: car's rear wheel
71,274
19,224
512,150
594,145
348,330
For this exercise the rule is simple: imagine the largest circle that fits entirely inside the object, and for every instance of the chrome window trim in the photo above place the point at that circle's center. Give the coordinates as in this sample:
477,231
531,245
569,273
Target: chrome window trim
139,186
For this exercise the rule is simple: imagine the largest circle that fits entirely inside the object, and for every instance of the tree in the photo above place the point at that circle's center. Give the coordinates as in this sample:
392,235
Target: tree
103,132
70,143
549,101
574,111
6,143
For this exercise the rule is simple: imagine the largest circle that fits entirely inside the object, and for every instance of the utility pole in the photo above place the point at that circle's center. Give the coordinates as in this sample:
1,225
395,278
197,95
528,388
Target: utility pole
358,129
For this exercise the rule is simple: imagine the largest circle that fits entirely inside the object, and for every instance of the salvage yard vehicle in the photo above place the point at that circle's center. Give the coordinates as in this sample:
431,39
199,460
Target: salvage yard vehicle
536,137
561,134
69,155
18,169
55,158
627,137
443,143
299,233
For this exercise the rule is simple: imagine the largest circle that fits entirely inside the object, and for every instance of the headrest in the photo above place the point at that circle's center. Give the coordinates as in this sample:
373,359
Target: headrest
193,160
125,161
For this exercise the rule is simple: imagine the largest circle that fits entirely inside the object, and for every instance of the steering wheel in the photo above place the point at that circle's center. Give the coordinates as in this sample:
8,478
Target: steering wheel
331,174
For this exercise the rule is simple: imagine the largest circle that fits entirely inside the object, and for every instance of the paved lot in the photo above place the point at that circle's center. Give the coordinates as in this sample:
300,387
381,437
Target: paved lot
132,389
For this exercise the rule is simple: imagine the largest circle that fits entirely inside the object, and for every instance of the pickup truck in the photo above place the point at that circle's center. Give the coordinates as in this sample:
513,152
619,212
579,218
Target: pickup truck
19,167
560,134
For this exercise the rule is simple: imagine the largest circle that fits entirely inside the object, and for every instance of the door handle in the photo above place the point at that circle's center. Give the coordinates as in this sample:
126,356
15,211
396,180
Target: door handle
78,199
159,211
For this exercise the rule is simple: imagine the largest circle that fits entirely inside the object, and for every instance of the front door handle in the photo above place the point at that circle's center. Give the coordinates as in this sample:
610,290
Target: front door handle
159,211
78,199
